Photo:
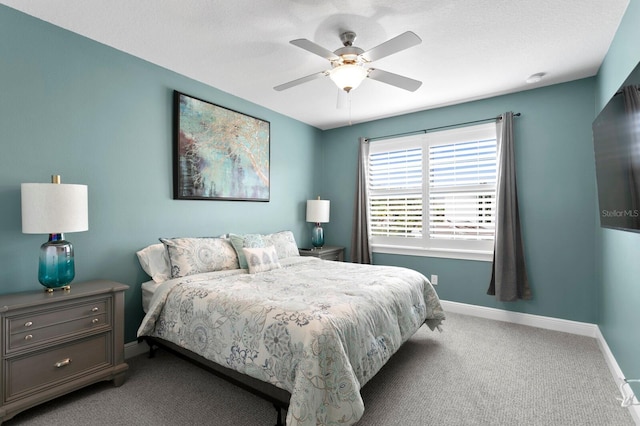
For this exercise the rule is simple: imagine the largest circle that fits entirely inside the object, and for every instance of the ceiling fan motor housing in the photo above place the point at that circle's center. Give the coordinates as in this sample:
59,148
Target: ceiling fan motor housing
348,55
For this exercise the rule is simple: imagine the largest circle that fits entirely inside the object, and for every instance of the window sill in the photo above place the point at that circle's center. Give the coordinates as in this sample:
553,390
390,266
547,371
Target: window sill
478,255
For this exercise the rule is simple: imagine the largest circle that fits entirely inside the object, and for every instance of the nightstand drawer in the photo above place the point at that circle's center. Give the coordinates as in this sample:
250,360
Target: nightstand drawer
35,372
336,256
38,327
46,334
335,253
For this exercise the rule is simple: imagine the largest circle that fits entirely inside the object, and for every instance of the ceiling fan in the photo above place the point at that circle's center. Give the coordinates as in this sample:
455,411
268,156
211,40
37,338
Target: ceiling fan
349,64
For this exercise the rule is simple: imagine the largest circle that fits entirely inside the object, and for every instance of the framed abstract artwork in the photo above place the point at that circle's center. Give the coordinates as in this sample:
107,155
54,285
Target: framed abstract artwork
218,153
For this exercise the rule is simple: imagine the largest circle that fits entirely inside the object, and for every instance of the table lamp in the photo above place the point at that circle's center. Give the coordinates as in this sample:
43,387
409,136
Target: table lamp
318,212
54,208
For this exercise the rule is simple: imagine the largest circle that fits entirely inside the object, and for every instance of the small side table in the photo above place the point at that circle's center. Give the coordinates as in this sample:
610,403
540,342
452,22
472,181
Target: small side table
55,343
327,253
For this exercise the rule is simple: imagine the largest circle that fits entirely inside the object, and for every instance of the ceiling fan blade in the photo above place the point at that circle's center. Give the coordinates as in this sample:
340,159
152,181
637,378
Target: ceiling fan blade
405,83
301,80
314,48
394,45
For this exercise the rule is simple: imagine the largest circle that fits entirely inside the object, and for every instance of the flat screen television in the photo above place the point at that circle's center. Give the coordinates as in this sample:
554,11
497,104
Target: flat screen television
616,140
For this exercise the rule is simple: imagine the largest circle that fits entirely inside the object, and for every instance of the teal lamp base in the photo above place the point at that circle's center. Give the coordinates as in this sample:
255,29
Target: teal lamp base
56,268
317,236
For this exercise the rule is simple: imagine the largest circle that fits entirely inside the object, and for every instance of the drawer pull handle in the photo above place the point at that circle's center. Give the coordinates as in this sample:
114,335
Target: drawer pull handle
95,309
28,324
62,363
28,337
95,321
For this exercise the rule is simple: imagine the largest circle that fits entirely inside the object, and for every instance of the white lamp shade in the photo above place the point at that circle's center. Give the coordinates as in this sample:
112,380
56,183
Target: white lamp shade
318,211
49,208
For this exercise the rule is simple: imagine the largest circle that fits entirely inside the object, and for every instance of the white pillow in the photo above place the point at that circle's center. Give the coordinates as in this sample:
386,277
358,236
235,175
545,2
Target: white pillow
154,262
261,259
284,242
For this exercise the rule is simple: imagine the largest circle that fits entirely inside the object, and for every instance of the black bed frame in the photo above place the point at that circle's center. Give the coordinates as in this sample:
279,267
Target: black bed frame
278,397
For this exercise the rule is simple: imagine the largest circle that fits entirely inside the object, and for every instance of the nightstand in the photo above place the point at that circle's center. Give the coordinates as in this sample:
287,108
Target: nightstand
326,253
55,343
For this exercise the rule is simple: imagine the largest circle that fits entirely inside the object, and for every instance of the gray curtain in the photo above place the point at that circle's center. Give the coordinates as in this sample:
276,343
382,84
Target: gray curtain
509,275
360,248
631,96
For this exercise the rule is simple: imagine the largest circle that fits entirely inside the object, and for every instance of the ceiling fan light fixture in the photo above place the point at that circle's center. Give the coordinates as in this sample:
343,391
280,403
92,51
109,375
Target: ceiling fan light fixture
348,76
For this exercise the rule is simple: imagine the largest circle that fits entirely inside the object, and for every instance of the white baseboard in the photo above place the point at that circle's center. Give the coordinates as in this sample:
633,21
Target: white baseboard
616,372
134,348
549,323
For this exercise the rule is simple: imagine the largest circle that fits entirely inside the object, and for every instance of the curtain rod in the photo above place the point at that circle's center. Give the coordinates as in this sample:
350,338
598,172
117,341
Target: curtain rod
416,132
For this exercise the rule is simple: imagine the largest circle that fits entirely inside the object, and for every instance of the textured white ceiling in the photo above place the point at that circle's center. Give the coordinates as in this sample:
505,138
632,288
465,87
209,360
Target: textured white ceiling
471,49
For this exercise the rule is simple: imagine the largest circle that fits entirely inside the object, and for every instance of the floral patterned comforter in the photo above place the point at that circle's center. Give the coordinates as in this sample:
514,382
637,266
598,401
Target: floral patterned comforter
317,328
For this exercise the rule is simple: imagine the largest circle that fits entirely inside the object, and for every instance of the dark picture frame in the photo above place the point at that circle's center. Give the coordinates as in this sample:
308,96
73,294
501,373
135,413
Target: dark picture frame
219,153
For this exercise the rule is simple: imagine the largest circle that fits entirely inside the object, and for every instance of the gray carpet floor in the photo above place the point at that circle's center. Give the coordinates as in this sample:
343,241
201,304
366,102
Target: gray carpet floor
476,372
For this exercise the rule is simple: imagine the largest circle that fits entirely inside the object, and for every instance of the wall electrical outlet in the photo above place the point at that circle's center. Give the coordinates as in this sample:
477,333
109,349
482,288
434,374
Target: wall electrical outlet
434,279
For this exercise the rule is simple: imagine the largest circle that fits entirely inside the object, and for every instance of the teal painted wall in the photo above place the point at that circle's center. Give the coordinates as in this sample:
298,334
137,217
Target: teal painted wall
100,117
556,177
619,251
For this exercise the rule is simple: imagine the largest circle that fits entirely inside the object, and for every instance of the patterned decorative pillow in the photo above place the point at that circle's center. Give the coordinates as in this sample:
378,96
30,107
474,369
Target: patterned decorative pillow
246,240
188,256
284,242
261,259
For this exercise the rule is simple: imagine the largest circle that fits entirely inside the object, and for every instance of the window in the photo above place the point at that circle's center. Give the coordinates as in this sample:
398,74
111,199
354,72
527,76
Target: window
434,194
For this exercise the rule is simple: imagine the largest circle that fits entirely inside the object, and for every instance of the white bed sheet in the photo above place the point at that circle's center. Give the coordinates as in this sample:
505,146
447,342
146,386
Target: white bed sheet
148,288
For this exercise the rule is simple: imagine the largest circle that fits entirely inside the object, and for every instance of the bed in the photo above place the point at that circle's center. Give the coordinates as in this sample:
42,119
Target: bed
316,329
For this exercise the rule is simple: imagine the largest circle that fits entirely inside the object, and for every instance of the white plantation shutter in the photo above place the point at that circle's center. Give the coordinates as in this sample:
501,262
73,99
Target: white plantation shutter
395,188
462,215
434,191
462,185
